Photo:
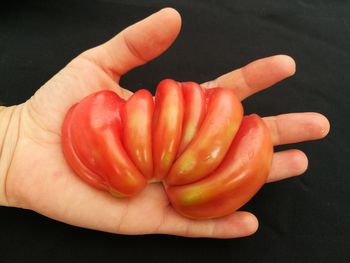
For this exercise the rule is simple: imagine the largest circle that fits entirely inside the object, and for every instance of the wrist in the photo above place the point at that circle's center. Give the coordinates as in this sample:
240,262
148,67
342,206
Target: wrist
9,130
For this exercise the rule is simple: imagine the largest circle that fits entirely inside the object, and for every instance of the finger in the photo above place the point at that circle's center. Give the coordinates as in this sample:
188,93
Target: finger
255,76
287,164
239,224
297,127
137,44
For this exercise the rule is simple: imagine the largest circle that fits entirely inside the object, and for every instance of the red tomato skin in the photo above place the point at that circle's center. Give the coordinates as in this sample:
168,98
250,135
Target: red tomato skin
79,167
241,174
137,116
212,141
167,126
194,112
91,137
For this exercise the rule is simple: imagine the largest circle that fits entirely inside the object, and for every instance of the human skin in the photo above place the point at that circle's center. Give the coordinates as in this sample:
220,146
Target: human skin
33,171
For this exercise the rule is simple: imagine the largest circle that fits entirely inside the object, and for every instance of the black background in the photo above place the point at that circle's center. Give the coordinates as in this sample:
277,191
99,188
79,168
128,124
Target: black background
304,219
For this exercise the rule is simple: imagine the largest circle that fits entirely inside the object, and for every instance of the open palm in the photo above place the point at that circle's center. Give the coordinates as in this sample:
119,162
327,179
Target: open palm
40,179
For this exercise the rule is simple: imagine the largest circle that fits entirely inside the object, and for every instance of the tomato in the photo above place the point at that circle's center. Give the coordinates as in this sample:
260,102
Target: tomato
210,159
240,175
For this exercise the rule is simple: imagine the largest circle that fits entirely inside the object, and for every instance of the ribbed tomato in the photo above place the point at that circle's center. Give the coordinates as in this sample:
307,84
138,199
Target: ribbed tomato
210,159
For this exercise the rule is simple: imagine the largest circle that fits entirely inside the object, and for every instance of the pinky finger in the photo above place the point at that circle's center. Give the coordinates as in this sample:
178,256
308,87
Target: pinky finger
238,224
287,164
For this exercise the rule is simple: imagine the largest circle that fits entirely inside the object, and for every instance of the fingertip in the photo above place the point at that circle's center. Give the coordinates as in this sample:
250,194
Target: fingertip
241,224
167,26
252,223
298,162
319,125
171,12
325,125
172,15
286,64
286,164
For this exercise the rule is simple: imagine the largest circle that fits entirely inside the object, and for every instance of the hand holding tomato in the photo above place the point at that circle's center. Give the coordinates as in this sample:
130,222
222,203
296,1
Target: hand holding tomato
39,178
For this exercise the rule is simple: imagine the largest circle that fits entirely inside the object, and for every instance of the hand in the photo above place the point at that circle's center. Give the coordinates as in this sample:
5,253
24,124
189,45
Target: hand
38,177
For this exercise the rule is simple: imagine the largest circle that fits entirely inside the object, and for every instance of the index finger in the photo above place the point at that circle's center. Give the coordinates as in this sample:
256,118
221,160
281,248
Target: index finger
255,76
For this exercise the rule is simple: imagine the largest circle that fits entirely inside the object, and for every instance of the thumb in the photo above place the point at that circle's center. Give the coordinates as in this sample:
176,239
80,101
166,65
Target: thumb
137,44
